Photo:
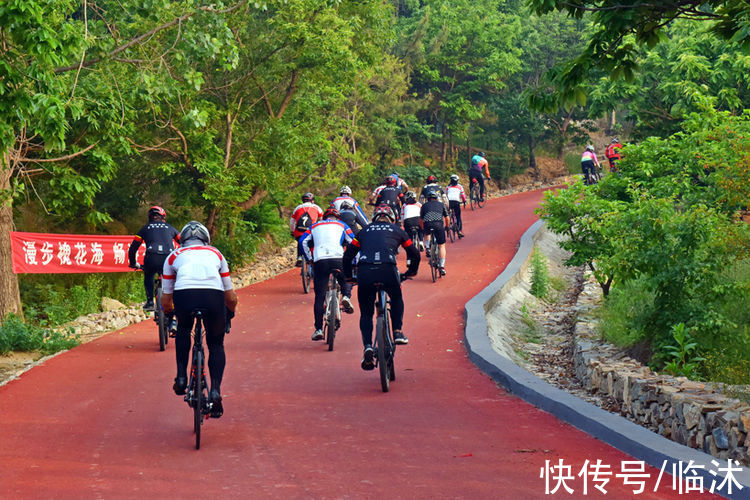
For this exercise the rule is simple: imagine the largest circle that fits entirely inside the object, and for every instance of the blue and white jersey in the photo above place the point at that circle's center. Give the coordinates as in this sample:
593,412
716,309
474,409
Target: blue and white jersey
325,240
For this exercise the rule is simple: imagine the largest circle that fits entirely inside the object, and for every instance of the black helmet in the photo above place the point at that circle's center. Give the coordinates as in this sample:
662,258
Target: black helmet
195,229
308,197
432,194
384,210
481,153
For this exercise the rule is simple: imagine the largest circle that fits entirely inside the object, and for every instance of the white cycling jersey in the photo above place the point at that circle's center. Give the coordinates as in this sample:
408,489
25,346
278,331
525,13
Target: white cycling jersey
326,238
197,266
455,192
410,210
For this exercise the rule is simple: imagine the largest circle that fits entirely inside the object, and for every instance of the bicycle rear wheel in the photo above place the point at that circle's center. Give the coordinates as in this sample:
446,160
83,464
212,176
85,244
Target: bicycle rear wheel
330,323
480,201
198,399
161,321
451,228
473,195
305,276
381,348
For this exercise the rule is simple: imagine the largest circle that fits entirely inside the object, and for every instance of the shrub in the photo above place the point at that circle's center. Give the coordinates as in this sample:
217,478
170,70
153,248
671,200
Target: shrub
15,335
625,313
540,280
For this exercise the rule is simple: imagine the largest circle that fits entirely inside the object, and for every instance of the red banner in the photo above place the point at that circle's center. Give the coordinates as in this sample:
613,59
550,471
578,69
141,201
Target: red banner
71,253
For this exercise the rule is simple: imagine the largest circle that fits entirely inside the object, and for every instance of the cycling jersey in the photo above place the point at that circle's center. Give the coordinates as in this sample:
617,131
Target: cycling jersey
361,217
391,196
433,186
433,211
196,266
304,216
351,219
377,244
589,156
325,240
613,151
455,192
159,238
410,210
478,163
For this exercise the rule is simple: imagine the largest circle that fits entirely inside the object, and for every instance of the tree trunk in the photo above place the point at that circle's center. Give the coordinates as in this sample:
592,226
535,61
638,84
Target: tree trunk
443,154
612,121
532,158
10,297
468,151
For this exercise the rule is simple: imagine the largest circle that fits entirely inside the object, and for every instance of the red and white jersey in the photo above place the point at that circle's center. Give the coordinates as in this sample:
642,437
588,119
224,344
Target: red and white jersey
306,210
197,266
325,240
455,193
411,210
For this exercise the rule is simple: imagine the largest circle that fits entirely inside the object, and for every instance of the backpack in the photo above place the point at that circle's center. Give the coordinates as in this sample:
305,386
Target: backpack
304,222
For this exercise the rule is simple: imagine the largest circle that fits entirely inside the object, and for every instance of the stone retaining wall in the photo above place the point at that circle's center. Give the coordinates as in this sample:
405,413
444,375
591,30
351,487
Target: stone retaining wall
691,413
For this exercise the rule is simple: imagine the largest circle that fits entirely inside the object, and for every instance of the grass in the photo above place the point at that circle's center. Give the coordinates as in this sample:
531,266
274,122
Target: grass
15,335
531,331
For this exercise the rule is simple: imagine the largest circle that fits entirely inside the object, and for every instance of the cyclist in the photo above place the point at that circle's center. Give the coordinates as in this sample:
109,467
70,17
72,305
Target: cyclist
160,239
324,244
390,195
589,165
434,216
345,196
613,153
198,276
410,216
402,185
478,163
351,217
376,245
432,185
456,196
304,216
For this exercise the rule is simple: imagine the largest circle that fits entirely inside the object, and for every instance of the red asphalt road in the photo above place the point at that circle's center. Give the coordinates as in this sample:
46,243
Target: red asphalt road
101,421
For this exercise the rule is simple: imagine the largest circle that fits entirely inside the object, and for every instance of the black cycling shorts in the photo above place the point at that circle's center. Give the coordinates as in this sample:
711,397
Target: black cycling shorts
438,229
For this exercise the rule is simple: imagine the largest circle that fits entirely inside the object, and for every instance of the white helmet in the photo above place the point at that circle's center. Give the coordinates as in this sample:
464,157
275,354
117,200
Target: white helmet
346,190
590,147
194,229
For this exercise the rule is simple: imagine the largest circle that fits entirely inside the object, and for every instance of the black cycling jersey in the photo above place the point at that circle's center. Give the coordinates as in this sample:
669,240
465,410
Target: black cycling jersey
377,244
352,219
159,238
434,186
390,195
433,211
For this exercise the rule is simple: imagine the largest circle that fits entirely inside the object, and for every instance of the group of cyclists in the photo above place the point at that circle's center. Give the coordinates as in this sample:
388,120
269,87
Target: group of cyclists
590,163
195,275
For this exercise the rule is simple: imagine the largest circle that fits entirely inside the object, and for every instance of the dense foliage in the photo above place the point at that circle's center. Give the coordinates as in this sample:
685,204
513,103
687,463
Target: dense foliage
667,229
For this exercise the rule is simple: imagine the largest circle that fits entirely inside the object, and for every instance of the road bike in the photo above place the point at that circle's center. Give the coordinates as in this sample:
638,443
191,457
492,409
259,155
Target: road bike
332,316
433,255
197,392
307,275
384,346
452,229
475,197
159,317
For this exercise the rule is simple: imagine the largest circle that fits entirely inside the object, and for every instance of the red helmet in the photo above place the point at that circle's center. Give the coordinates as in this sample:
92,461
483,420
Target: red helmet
331,212
431,178
384,211
157,211
391,180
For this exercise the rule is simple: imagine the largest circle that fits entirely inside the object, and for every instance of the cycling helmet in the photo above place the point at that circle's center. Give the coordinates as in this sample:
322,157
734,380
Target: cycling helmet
432,194
346,205
481,153
157,211
391,180
195,229
410,197
345,190
308,197
454,178
615,139
331,212
395,173
590,147
384,211
431,178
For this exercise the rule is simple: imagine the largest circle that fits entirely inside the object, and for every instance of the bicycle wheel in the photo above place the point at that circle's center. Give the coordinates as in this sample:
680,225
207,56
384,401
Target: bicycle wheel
433,261
381,347
480,201
330,323
473,195
161,321
451,227
305,276
391,351
198,398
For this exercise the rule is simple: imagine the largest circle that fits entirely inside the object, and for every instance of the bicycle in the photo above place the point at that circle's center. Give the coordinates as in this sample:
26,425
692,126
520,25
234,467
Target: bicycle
433,256
197,392
475,197
159,317
307,275
332,317
415,238
452,229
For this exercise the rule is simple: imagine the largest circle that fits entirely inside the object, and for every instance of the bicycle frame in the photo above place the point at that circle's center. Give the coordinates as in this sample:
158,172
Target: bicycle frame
332,316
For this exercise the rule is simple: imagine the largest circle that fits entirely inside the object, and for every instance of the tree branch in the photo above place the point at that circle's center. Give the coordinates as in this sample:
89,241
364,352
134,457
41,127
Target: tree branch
59,158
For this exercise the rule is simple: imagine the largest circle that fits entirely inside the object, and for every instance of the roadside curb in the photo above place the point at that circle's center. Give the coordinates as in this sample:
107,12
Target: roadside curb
612,429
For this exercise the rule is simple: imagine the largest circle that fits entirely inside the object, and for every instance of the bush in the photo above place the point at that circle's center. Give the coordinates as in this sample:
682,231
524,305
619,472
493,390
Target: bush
15,335
626,312
540,280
